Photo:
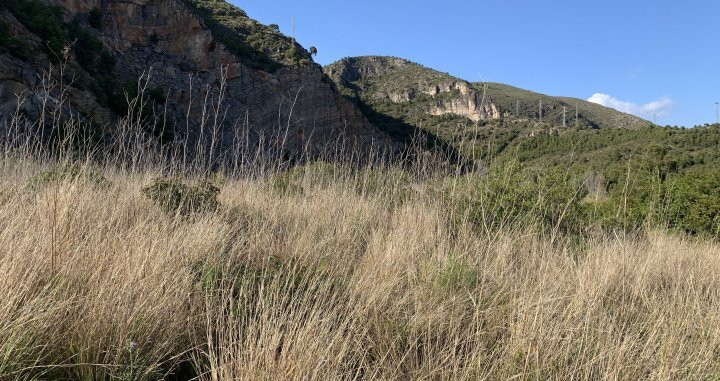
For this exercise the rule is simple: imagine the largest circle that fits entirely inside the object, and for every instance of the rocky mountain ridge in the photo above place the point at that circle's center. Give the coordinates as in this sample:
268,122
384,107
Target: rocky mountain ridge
377,79
398,80
475,120
195,58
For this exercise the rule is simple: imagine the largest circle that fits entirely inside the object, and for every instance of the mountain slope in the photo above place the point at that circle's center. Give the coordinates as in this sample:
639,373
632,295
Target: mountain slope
398,95
194,50
256,45
590,115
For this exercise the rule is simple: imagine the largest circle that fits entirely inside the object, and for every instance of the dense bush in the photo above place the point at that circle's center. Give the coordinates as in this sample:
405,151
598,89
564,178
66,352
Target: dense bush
298,179
693,202
511,197
95,18
674,150
15,46
44,21
174,196
70,172
89,50
320,174
648,177
100,76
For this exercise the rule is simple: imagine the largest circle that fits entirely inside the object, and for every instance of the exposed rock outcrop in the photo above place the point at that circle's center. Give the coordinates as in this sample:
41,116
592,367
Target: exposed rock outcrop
397,80
186,61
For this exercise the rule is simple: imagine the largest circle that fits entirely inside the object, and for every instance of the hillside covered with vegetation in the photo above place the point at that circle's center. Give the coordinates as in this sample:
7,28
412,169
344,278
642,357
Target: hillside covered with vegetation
399,95
493,246
145,269
630,171
523,105
259,46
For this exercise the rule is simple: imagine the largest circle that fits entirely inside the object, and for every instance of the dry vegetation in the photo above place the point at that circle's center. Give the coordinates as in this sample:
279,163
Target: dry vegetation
325,272
334,281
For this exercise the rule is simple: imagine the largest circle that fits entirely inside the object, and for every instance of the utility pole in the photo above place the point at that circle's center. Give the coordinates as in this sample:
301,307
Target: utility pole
564,111
717,112
541,111
293,28
576,115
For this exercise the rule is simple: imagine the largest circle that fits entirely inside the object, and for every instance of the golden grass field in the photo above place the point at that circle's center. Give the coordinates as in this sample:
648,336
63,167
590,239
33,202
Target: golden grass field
332,280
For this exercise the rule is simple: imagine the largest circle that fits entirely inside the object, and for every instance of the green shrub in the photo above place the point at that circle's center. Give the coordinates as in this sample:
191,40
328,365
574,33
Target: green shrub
511,197
394,181
16,47
456,275
68,172
88,49
298,179
95,18
693,203
292,53
157,94
174,196
42,20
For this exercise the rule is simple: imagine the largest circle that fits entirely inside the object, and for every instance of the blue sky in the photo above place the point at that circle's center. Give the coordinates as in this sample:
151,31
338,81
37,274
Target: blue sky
645,57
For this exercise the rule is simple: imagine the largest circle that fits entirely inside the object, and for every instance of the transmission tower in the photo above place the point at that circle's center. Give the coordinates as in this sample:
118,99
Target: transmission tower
576,115
541,111
293,27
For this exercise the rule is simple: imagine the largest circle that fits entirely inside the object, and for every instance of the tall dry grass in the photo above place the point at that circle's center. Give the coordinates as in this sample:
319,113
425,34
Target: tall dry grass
328,282
326,274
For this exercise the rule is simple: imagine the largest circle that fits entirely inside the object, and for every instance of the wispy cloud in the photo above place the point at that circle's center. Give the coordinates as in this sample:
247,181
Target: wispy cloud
660,107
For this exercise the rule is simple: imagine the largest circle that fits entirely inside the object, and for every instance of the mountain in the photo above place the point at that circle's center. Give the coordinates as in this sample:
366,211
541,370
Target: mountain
192,55
398,95
590,115
193,50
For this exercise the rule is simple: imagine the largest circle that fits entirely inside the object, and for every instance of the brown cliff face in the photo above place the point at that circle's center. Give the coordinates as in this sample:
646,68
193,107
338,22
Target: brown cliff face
171,42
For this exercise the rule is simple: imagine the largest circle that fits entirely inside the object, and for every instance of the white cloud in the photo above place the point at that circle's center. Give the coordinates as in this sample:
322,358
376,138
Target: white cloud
660,107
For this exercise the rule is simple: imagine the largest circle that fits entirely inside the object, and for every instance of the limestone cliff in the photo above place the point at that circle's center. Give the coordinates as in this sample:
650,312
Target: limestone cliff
271,87
383,79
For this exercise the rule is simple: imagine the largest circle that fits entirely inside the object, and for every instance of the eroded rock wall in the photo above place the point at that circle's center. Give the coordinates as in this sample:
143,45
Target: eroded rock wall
191,67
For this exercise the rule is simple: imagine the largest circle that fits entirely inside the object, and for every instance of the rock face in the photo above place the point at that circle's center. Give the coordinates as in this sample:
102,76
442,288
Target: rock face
194,73
397,80
471,104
